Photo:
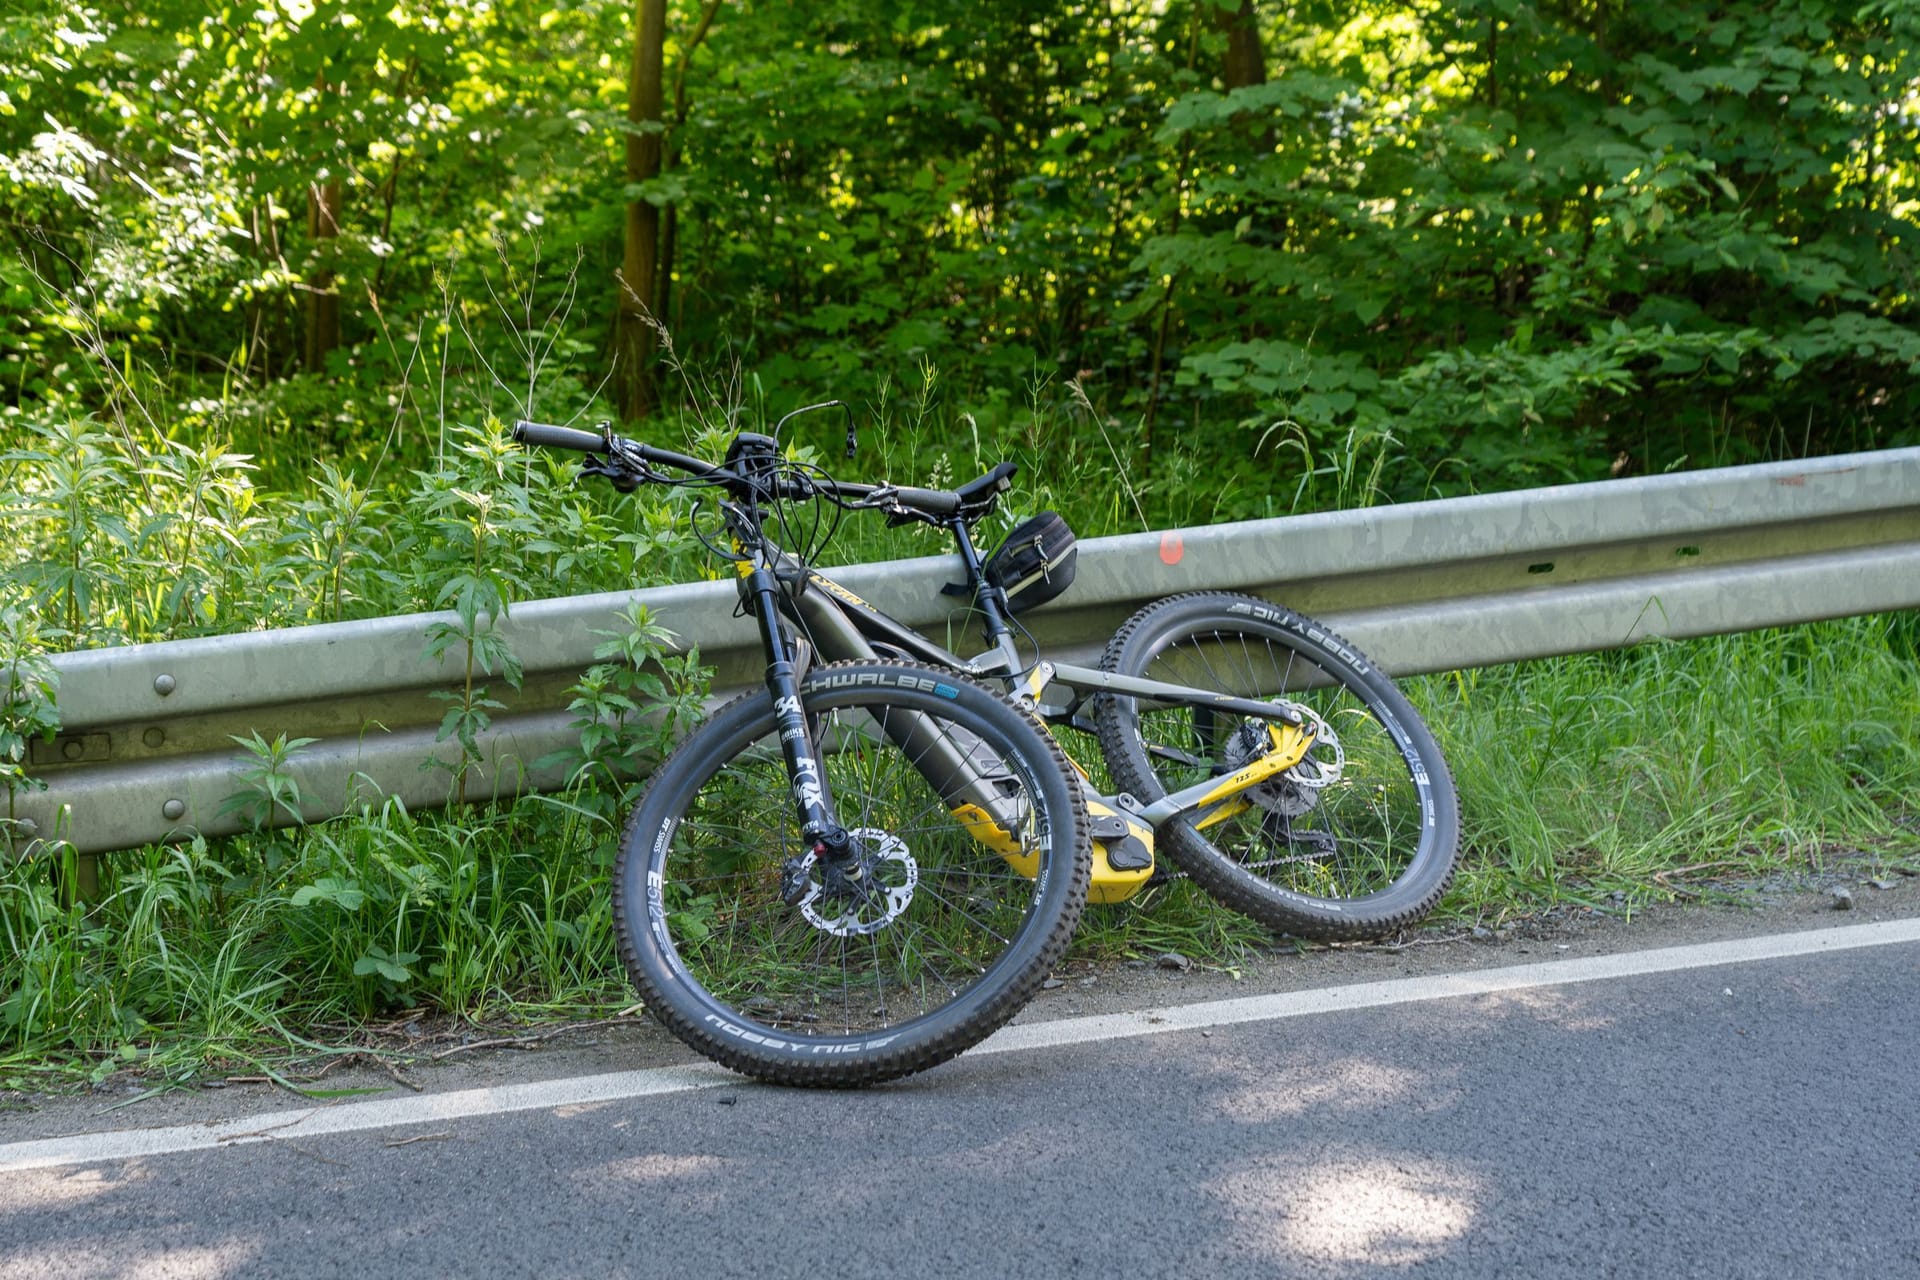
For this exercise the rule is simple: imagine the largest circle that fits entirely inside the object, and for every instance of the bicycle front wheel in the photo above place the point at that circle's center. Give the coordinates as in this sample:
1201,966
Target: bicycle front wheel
780,967
1357,841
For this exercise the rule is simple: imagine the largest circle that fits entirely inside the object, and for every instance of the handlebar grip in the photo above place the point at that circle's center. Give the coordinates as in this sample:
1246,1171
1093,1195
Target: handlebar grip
935,502
549,437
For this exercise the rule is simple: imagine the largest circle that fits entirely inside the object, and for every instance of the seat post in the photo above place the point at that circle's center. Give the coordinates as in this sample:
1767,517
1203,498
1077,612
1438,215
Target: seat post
986,599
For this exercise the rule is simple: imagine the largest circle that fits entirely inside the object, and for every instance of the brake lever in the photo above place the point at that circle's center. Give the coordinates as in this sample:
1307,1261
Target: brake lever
620,477
883,500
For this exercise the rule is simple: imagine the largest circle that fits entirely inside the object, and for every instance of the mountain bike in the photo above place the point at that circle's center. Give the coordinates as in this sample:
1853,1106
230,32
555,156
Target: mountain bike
1274,763
856,871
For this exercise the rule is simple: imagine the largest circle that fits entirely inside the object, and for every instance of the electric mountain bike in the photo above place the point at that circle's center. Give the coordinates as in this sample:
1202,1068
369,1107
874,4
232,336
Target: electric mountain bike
796,932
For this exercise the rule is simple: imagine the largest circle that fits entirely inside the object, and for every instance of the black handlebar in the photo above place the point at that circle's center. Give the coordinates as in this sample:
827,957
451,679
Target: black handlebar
972,500
933,502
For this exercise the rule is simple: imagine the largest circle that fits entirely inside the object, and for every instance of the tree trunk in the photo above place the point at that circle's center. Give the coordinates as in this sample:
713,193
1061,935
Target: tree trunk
670,228
635,340
1245,64
323,301
1246,61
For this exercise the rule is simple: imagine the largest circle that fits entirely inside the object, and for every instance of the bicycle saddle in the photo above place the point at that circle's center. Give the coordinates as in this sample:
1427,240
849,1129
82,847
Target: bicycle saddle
971,500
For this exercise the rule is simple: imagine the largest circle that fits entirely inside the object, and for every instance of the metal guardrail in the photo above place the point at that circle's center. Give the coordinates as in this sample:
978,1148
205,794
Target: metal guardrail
146,752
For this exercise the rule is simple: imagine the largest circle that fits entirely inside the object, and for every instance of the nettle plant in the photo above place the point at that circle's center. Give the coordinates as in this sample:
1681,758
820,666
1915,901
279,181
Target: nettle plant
29,686
632,705
479,519
500,524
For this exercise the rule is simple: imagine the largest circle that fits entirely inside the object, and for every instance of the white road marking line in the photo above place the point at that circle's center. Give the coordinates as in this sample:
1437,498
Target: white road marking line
308,1122
1443,986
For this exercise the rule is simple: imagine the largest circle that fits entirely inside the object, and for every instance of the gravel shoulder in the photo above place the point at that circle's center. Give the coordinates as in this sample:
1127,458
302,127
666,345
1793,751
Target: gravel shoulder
417,1059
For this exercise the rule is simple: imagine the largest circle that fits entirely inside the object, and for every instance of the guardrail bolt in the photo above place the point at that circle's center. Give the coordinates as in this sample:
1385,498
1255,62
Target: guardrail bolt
163,684
154,736
173,810
73,749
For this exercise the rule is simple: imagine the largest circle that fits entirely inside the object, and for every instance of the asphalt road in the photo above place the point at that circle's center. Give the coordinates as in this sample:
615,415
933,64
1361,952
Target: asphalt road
1748,1118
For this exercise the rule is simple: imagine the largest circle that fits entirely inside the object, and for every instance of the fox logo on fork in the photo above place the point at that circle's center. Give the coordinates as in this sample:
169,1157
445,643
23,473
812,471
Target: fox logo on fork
806,783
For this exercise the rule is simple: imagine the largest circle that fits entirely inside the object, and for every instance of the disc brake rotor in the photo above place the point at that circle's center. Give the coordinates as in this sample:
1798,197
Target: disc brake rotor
871,903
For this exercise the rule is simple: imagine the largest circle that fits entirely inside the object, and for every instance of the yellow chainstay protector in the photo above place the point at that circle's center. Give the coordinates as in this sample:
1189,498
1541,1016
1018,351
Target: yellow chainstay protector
1108,883
981,826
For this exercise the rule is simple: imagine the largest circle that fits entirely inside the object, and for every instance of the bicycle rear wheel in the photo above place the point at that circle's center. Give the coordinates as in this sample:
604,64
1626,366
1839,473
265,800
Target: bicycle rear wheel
1354,842
947,933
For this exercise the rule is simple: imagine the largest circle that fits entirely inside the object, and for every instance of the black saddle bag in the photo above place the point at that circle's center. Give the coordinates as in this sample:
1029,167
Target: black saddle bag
1035,563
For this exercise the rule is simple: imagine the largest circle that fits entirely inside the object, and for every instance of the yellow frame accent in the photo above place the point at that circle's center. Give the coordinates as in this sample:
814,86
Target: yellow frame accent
1290,743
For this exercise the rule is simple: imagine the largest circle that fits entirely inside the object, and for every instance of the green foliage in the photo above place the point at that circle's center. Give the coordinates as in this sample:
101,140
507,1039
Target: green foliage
1551,243
115,538
1532,242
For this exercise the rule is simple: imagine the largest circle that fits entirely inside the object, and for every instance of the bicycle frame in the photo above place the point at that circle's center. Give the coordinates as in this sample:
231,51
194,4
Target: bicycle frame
840,625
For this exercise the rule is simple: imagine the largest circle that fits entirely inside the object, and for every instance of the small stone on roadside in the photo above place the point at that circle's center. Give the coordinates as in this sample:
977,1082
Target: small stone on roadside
1878,883
1087,982
1136,964
1481,932
1052,984
1842,899
1174,960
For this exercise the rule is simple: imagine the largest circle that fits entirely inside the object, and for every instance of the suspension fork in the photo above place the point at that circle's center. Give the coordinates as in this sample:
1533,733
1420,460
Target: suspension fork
819,828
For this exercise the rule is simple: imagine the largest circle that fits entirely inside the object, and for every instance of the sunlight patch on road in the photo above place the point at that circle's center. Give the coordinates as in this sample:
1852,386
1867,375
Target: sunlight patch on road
64,1190
659,1167
1350,1084
213,1262
1385,1213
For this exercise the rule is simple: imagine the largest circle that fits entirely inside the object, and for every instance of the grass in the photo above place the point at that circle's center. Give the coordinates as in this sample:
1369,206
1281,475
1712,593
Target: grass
1617,772
241,951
